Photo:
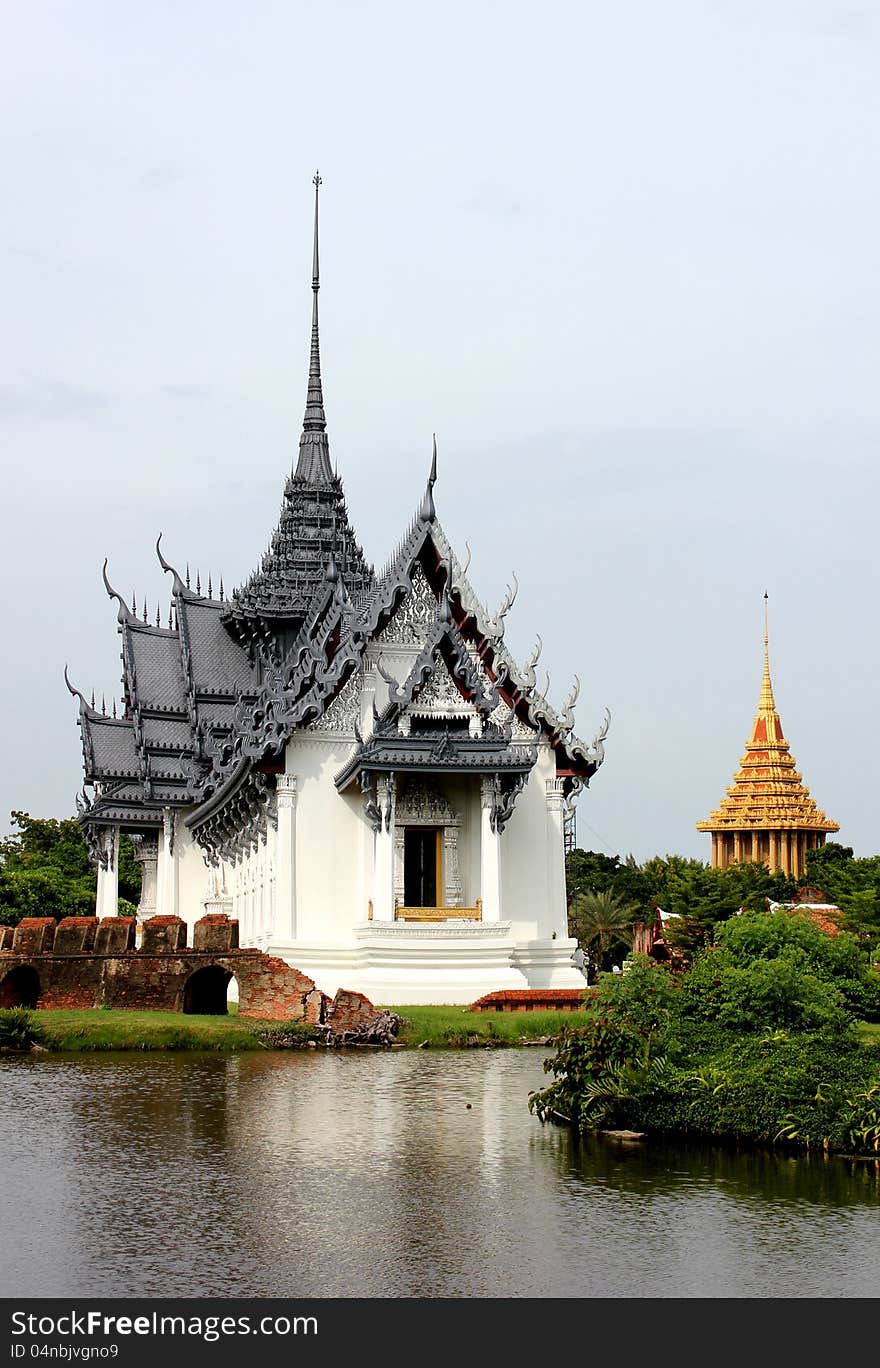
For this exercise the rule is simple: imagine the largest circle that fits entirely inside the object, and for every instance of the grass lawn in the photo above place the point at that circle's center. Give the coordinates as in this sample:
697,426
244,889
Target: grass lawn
457,1027
439,1027
97,1029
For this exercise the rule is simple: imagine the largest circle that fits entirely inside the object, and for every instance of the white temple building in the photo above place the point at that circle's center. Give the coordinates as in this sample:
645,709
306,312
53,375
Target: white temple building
350,763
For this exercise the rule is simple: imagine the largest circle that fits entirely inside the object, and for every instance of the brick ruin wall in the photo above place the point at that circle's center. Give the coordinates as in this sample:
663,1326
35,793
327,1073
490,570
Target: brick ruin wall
83,962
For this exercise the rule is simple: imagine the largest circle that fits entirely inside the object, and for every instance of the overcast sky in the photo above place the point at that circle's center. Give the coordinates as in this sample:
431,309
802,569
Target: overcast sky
622,258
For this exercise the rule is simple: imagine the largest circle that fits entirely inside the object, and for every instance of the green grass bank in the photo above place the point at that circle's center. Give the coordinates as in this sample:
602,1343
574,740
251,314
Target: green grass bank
426,1027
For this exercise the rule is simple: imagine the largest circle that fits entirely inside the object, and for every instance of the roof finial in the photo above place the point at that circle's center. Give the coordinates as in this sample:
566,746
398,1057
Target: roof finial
314,450
76,693
124,614
427,511
766,703
178,585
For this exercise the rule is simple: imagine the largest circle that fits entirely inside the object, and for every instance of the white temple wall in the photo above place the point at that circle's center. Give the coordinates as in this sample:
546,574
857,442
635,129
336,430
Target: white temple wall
181,870
332,881
528,850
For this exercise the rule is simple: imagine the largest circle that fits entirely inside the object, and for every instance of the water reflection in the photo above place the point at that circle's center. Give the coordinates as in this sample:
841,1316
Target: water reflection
368,1174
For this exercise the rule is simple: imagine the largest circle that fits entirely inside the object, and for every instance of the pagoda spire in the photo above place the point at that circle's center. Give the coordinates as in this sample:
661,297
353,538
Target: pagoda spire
766,726
766,703
313,464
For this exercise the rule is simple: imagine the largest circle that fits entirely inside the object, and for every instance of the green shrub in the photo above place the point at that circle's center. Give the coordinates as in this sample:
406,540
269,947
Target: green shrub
287,1035
18,1029
761,995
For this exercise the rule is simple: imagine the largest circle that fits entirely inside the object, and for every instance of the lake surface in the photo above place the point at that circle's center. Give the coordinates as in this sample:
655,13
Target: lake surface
366,1174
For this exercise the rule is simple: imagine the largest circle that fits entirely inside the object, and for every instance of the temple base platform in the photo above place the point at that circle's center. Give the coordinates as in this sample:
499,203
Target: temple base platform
455,962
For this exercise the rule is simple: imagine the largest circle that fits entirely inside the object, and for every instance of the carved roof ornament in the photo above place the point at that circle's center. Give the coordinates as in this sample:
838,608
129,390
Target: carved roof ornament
178,588
496,624
428,511
125,615
84,707
566,717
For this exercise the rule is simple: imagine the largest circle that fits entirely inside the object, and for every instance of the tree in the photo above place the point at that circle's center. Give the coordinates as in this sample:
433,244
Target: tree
602,921
700,897
853,885
45,870
588,871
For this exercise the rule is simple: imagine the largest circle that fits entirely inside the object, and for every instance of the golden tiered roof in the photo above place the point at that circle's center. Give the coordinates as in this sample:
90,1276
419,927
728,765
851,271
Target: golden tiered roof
767,792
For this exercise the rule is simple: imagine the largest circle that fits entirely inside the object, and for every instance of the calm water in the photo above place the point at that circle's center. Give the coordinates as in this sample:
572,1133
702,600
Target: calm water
365,1174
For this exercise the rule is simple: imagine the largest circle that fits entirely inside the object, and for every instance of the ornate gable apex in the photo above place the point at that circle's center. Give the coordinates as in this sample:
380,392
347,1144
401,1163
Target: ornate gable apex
414,615
439,696
444,652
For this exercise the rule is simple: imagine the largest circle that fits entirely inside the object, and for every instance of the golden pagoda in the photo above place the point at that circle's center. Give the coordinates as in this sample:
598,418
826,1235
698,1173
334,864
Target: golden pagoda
767,814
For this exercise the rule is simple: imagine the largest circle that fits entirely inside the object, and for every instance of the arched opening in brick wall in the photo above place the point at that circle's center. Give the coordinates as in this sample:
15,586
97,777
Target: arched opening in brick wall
205,991
232,995
20,987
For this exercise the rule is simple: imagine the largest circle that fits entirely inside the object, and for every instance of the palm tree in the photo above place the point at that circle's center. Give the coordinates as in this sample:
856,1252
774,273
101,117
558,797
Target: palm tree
601,920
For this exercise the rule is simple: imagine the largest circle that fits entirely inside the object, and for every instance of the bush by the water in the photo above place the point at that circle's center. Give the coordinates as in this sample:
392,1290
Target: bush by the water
756,1041
18,1029
287,1035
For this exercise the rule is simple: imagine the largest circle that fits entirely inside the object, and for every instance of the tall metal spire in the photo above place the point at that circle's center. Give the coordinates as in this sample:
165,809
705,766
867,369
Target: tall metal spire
314,449
766,703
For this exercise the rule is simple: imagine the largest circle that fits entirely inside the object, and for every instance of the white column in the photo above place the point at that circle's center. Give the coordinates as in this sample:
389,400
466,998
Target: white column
107,896
451,869
146,852
285,858
556,900
383,879
167,891
490,854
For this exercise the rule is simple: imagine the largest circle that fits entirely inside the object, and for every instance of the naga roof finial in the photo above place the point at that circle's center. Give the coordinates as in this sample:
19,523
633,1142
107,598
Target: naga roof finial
83,705
529,667
125,614
566,717
427,511
178,586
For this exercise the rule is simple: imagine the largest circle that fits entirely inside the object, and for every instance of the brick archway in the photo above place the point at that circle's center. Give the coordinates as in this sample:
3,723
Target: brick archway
204,993
20,987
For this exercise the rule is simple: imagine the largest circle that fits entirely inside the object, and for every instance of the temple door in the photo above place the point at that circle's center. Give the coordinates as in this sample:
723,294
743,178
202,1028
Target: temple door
421,866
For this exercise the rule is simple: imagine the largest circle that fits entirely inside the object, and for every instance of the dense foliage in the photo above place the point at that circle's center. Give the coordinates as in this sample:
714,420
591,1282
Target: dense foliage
45,870
853,885
697,896
18,1029
755,1041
